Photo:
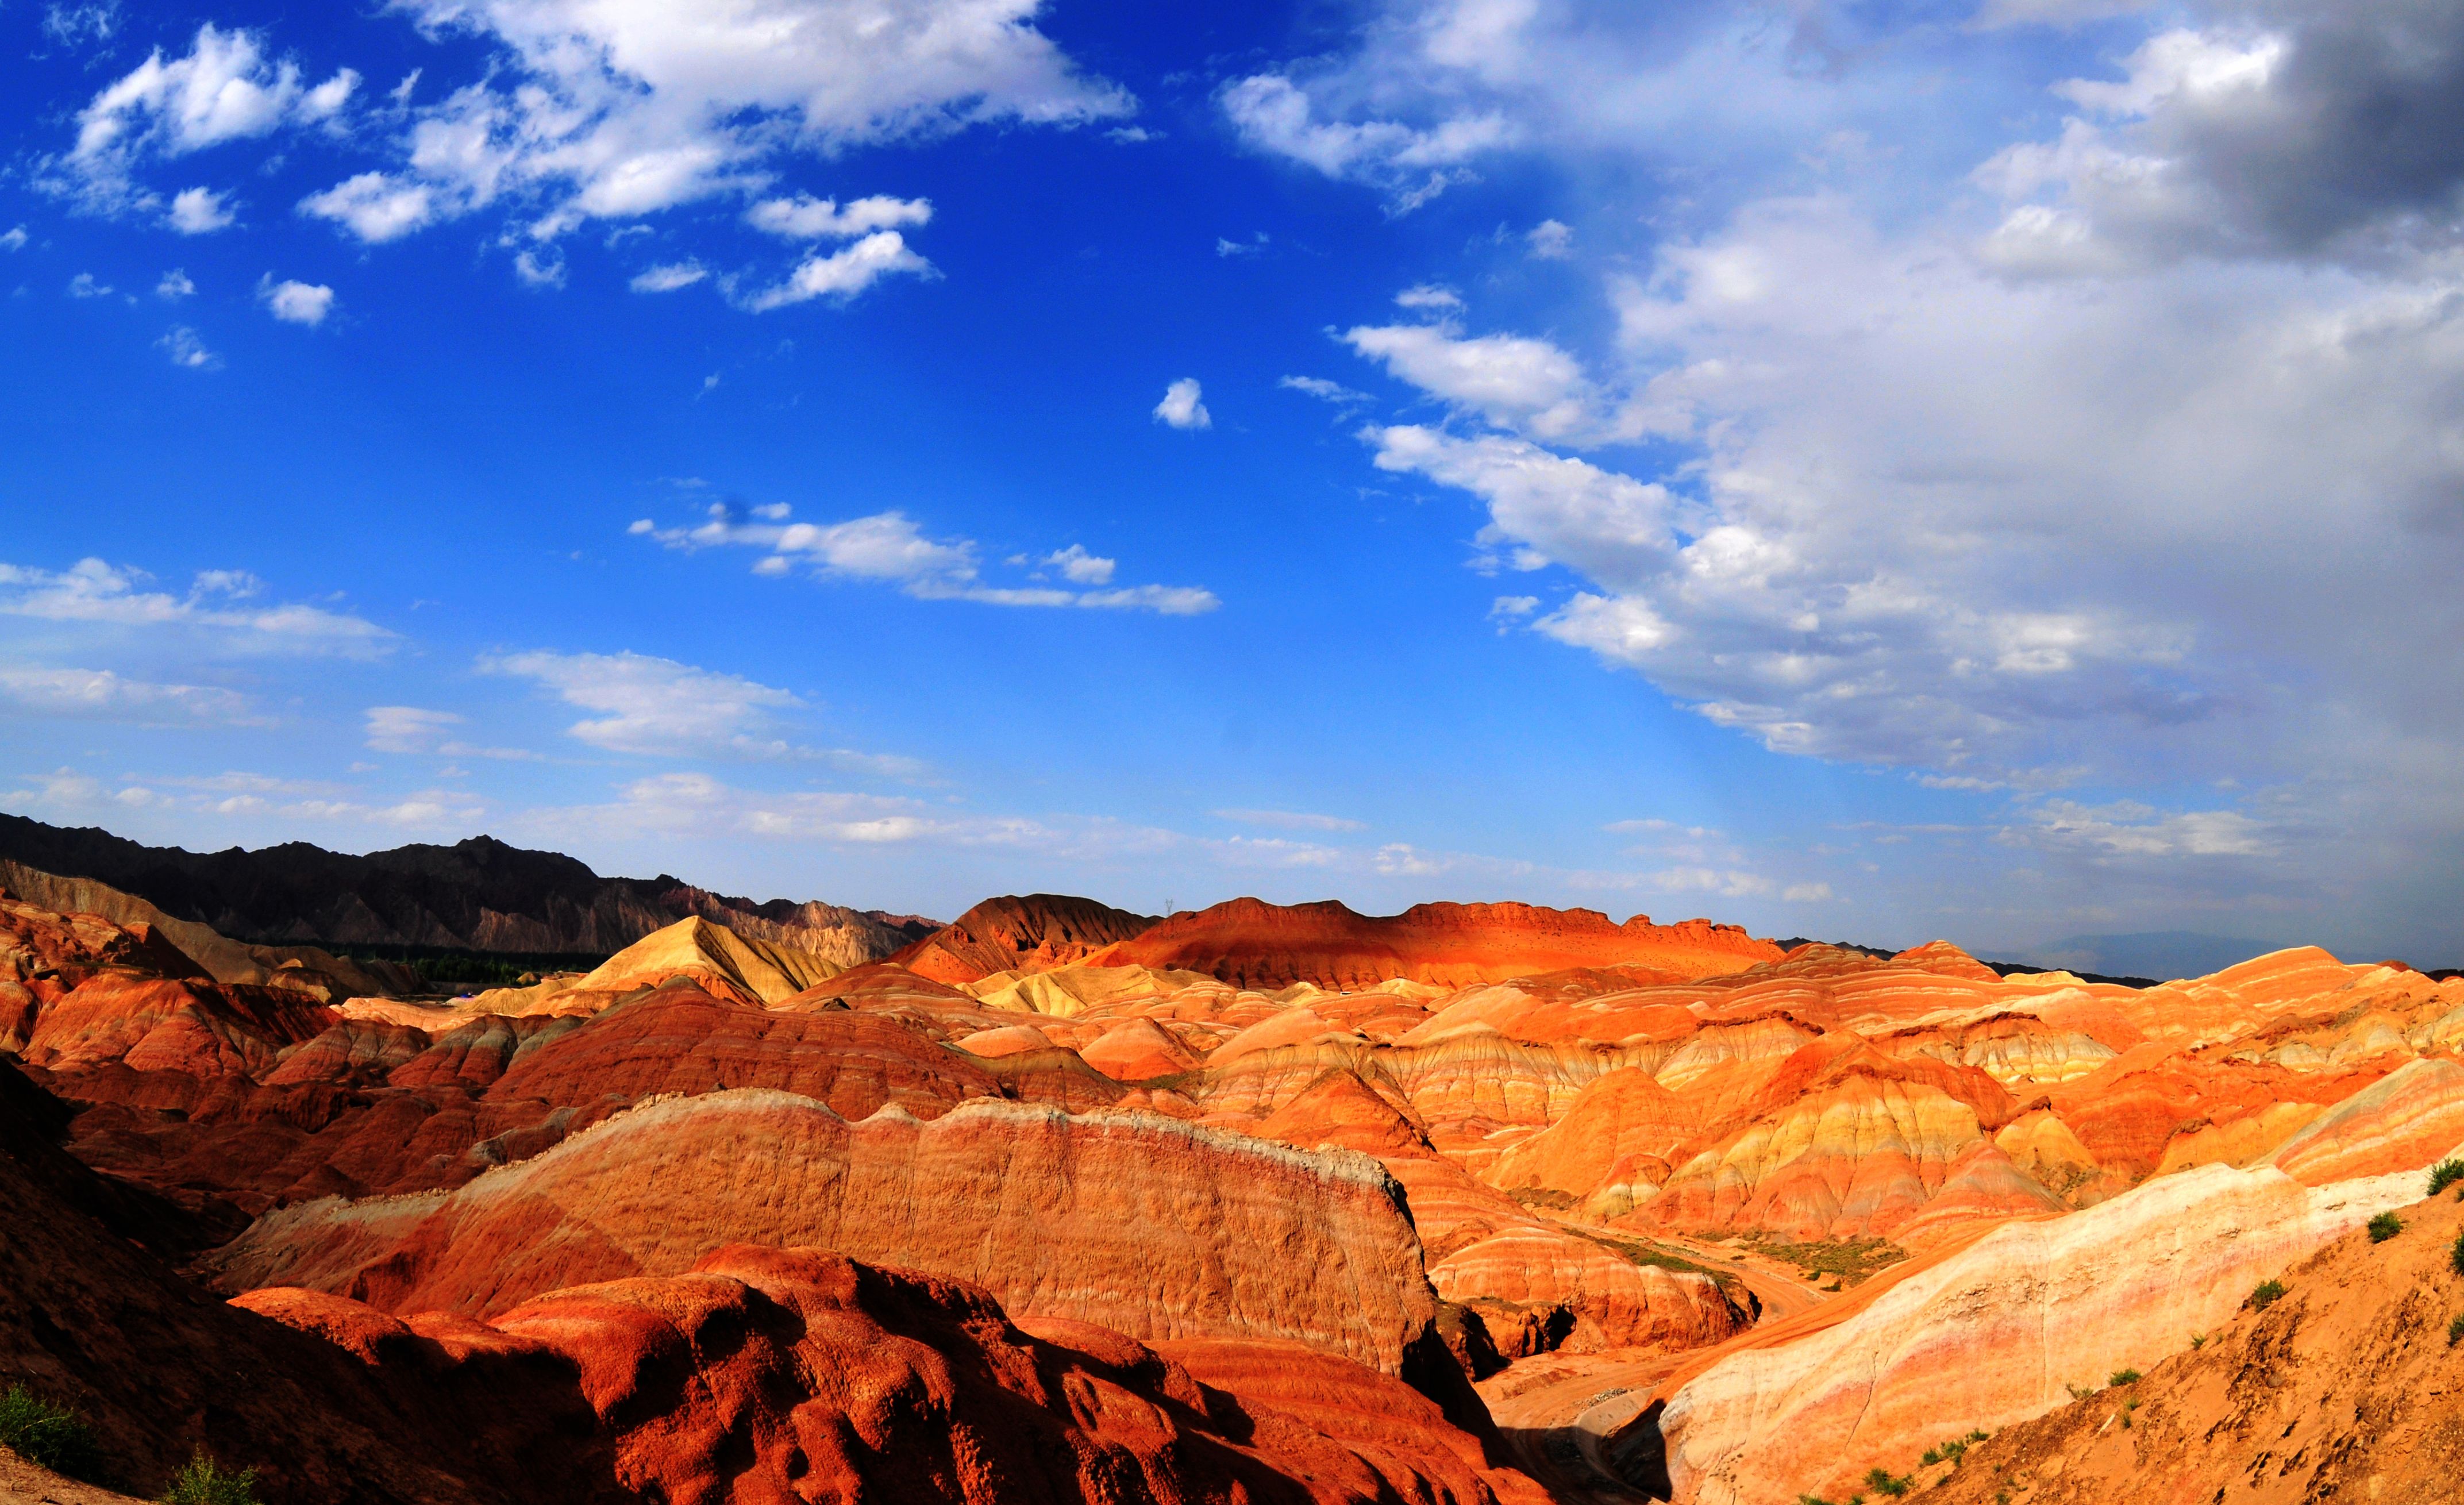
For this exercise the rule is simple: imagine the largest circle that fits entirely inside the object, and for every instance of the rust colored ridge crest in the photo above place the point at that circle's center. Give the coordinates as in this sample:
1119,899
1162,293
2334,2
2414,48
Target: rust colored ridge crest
1019,933
1251,944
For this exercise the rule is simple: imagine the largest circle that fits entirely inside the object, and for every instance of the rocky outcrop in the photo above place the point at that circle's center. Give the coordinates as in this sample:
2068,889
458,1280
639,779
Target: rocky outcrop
1029,933
1251,944
1146,1225
2345,1391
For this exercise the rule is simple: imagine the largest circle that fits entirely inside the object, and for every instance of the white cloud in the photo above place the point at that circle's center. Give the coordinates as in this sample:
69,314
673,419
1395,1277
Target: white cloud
297,302
845,273
656,705
1526,385
1807,894
94,591
200,211
1428,297
668,277
806,218
407,728
101,695
1324,390
1550,240
2128,828
375,206
224,89
85,284
14,239
1080,567
1291,820
185,349
616,110
889,548
174,286
1410,166
71,24
538,268
1181,407
411,729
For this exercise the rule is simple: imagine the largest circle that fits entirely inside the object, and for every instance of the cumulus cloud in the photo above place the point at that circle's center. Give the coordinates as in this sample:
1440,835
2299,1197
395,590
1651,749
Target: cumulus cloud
890,549
806,218
1080,567
174,286
605,111
1411,164
225,88
200,211
668,277
2311,129
842,274
186,349
297,302
1181,407
1549,240
94,591
1509,380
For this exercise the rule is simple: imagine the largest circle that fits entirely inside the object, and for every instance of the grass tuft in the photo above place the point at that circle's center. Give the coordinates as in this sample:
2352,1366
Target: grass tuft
1882,1481
2123,1377
2386,1226
2445,1174
2267,1292
2455,1331
54,1436
206,1482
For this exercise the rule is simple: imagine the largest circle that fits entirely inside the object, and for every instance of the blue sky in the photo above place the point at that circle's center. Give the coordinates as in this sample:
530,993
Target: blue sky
1864,471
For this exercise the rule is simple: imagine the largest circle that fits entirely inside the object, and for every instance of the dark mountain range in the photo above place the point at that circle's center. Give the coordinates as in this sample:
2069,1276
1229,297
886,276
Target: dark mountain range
478,895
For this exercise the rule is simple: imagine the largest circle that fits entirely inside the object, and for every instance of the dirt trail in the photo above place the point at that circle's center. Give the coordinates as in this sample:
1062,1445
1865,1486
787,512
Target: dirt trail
1557,1411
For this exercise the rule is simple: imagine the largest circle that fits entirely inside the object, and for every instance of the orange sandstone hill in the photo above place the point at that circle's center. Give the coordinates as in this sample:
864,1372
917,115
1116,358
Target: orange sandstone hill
1015,934
1251,944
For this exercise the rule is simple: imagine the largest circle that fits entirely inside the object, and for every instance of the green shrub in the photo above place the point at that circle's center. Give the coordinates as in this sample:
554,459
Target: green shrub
206,1482
2386,1226
2455,1331
54,1436
1882,1481
2457,1258
2198,1341
2445,1174
2266,1292
2123,1377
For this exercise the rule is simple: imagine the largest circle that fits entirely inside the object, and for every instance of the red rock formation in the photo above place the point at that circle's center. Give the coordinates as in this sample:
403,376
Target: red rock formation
1140,1224
1252,944
1032,933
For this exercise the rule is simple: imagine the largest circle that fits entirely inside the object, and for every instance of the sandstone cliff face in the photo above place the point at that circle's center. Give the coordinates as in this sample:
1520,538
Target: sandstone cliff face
1134,1223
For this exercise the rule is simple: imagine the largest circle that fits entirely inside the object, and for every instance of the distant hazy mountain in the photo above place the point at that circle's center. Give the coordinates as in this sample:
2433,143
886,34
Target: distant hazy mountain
2156,953
478,895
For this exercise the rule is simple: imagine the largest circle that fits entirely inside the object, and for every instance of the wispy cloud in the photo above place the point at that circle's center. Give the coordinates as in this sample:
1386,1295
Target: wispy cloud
890,549
218,603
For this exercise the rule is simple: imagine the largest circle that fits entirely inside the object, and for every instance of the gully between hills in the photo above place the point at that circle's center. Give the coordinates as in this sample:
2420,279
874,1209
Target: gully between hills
1476,1204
